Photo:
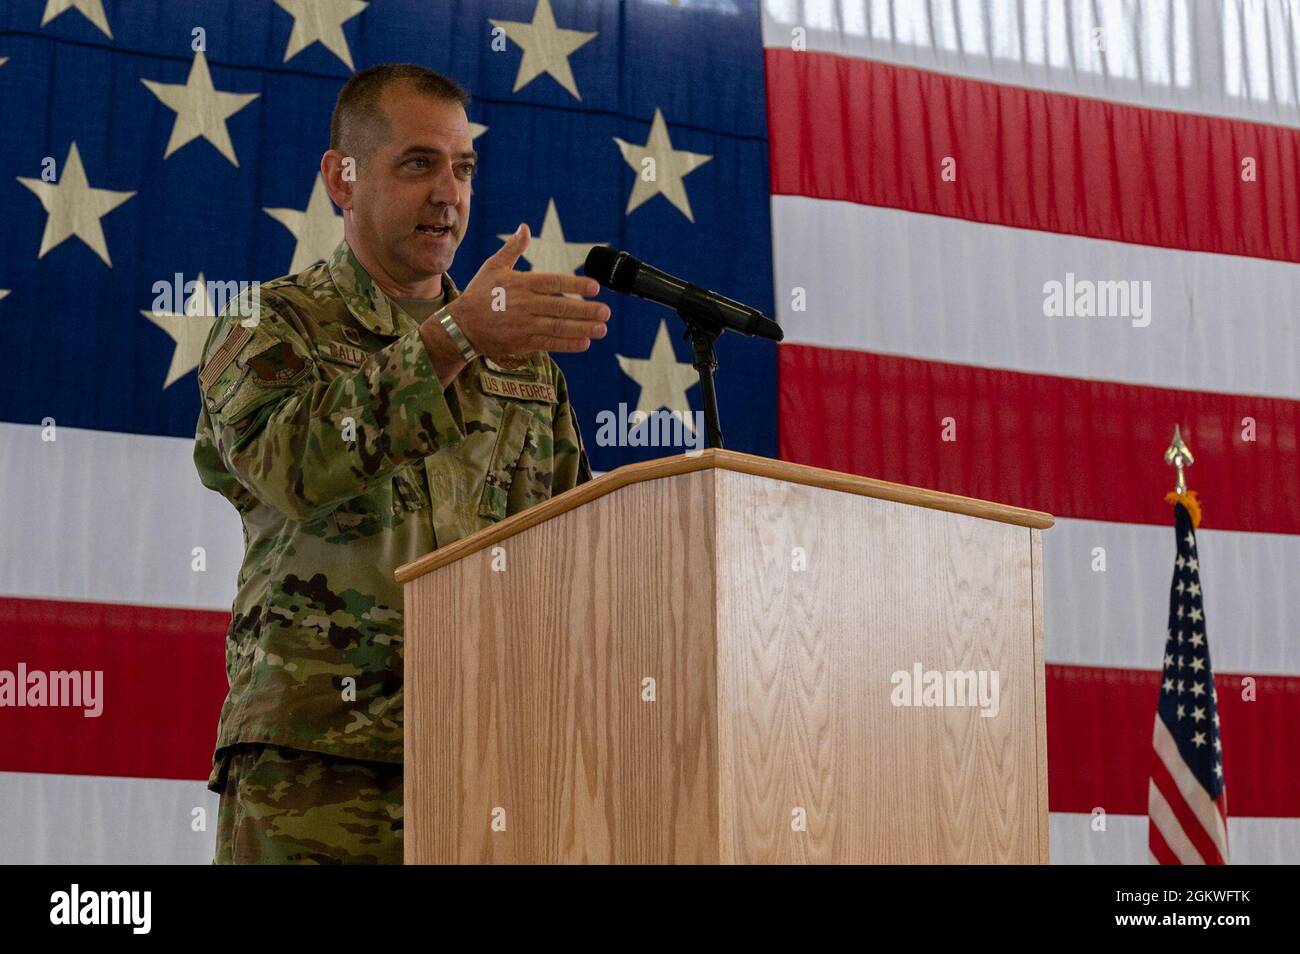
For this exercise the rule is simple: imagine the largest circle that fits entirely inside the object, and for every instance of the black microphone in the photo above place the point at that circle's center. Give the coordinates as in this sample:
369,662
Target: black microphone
620,272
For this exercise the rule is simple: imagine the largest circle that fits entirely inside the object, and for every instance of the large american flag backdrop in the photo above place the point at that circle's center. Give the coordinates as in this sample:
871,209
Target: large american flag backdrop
897,181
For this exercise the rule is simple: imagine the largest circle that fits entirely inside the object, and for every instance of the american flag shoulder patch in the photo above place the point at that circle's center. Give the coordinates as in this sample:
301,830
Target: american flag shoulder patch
236,338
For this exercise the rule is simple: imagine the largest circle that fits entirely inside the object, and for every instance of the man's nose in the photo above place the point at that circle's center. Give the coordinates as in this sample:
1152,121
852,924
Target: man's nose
445,190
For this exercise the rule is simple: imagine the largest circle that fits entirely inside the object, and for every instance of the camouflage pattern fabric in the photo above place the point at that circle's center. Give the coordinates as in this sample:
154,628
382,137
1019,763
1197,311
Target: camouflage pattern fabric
283,806
324,425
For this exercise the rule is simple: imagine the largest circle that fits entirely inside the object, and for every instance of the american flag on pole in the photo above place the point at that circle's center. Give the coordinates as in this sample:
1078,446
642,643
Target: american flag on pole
1187,800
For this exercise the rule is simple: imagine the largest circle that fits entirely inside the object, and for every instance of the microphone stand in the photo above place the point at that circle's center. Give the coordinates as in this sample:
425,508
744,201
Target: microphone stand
703,328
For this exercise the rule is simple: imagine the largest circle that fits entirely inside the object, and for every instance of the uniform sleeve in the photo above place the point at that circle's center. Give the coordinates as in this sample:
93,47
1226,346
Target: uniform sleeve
571,465
301,444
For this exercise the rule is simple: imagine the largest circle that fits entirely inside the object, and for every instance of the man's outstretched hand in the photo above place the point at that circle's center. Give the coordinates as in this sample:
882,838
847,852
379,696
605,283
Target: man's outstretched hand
503,312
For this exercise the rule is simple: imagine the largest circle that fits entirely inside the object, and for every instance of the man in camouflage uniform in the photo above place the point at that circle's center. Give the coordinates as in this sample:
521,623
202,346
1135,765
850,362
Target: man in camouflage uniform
366,413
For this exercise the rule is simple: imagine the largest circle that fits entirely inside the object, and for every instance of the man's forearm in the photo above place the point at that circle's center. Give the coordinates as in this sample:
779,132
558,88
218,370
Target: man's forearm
446,357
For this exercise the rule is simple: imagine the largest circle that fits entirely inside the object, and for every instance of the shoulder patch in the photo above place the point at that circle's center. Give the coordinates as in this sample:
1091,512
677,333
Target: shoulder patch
507,363
278,364
236,338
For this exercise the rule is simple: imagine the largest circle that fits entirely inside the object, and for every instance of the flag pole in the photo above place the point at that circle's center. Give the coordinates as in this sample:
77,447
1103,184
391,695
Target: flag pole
1187,798
1179,456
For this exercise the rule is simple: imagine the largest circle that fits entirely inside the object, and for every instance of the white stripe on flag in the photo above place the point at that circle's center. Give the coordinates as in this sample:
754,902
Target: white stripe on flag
1075,839
112,518
1117,616
1162,816
87,819
1194,794
871,278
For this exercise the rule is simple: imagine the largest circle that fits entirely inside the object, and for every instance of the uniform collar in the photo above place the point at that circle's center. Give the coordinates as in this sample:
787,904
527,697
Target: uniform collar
366,300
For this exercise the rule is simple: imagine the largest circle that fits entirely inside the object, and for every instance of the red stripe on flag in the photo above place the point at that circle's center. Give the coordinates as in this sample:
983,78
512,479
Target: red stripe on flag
877,134
1156,842
1069,446
164,680
1187,820
1099,740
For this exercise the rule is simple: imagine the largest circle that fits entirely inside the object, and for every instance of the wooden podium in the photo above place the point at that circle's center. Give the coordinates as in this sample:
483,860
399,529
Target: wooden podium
701,659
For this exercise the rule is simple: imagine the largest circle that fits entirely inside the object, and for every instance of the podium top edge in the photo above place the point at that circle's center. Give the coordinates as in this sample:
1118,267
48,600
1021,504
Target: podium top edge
720,460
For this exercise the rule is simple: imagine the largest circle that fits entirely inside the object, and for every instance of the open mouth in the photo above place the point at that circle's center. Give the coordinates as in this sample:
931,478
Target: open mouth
434,229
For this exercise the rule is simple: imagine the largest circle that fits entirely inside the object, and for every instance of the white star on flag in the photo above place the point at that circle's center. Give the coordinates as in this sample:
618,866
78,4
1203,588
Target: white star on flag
92,10
549,252
664,380
75,207
546,47
665,173
201,109
320,21
189,331
318,230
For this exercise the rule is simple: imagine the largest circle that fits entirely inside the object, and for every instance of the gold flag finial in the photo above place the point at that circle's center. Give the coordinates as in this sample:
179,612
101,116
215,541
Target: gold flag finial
1179,456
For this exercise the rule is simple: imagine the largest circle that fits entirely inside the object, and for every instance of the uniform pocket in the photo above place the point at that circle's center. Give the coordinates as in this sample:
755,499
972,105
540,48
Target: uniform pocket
410,492
364,515
509,447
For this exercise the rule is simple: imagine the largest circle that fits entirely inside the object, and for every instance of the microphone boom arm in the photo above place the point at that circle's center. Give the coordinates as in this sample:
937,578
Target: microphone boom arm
703,327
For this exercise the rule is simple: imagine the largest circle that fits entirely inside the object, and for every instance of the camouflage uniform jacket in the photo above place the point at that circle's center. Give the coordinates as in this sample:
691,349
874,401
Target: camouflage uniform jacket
324,424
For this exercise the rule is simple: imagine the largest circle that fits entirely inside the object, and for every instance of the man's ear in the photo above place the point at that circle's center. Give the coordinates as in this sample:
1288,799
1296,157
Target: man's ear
339,173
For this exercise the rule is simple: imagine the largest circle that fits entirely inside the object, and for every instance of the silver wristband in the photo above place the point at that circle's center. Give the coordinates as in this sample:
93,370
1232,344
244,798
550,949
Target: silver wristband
453,330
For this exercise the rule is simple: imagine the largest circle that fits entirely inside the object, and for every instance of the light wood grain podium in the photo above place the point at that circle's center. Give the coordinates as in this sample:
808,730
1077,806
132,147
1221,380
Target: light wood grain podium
690,660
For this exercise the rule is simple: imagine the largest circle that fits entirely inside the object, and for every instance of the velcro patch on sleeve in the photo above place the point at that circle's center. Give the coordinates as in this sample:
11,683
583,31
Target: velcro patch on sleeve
236,338
278,364
344,354
514,388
